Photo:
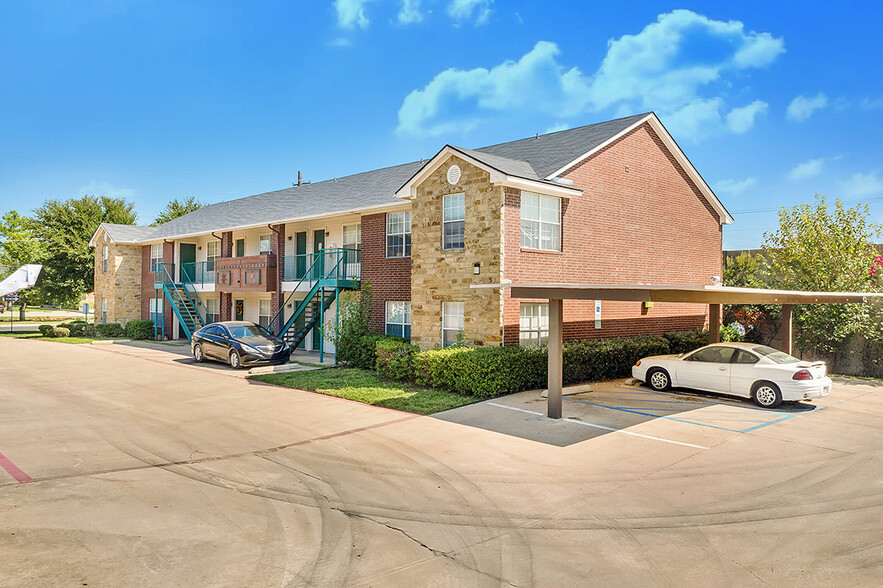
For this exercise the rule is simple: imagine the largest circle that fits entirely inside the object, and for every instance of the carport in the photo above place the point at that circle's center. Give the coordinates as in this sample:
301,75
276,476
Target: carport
714,296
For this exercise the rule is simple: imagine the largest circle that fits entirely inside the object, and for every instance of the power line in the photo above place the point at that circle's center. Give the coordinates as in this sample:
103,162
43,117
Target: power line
760,210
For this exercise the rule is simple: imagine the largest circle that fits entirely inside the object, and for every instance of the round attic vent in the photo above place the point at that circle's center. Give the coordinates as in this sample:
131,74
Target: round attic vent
453,174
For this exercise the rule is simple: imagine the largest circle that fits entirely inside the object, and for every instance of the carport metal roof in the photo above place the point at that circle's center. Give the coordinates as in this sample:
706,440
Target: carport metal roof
714,296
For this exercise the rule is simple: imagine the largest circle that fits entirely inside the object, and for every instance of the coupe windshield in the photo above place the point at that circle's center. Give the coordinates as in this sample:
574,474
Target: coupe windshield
241,331
774,354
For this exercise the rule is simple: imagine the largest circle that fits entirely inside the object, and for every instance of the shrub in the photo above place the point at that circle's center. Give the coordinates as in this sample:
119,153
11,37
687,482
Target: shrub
730,333
110,330
139,330
602,359
482,371
686,341
46,330
61,332
395,358
361,350
75,327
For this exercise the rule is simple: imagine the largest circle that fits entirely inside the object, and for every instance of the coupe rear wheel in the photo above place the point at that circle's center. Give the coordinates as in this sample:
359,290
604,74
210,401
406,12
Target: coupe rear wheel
766,395
658,379
235,360
197,353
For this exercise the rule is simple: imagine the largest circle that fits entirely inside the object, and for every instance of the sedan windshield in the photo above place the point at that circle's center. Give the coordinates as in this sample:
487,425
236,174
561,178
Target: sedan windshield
241,331
774,354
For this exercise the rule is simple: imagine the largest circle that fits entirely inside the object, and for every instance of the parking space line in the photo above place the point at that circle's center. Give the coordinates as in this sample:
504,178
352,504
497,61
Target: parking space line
594,426
13,470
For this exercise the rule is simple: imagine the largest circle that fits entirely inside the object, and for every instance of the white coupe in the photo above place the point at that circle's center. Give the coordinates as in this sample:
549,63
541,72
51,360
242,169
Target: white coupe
764,374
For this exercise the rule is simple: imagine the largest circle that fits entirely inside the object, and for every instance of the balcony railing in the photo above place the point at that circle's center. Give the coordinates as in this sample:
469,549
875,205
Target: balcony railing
345,263
200,273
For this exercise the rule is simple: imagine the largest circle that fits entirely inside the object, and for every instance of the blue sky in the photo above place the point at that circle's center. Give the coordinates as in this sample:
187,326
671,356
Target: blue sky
151,100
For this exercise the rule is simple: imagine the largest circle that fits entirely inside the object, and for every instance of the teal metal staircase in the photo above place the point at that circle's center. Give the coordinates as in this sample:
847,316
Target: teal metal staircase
327,276
185,301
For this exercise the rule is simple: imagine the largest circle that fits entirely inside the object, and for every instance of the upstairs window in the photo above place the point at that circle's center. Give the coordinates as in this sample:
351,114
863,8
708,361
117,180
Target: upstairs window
105,255
155,256
540,222
454,221
352,237
266,244
212,252
398,234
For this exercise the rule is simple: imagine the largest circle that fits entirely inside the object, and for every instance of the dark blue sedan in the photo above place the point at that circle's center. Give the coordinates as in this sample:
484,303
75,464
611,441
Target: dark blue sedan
240,344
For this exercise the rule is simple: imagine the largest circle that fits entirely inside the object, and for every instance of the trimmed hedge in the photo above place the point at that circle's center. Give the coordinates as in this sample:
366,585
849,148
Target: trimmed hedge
686,341
61,332
395,359
46,330
139,330
110,330
604,359
77,328
361,351
482,372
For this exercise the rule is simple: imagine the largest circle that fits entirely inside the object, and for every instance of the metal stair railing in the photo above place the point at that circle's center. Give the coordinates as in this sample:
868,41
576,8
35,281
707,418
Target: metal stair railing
201,309
185,317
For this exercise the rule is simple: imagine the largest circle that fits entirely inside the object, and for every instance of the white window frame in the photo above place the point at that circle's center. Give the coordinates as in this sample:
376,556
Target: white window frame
353,229
533,323
212,253
213,304
539,231
154,259
456,312
105,256
264,304
454,213
391,223
154,311
405,322
268,248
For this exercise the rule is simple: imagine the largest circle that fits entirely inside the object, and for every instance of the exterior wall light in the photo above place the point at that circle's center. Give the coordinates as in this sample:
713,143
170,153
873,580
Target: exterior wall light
476,268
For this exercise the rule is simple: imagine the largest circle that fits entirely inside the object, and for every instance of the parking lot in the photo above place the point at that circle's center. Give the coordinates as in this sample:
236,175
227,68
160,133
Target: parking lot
129,465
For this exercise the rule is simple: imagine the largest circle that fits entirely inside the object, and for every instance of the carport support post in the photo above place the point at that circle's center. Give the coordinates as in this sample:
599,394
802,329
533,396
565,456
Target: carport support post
554,377
787,329
714,323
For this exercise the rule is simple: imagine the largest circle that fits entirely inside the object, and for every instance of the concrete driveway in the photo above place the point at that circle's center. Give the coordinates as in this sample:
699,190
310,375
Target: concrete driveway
122,466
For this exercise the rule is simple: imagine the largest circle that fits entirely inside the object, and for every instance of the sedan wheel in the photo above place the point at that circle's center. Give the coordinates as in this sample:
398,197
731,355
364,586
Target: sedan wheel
659,379
767,395
197,353
235,360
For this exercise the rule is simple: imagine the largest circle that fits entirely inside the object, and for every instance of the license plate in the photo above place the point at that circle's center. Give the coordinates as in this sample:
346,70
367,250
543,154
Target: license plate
825,390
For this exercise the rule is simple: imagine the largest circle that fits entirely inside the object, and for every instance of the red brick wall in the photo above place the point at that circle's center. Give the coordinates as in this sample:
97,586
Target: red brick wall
640,219
390,277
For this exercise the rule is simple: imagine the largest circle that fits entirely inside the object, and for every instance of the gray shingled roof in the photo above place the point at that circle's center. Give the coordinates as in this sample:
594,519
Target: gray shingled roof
127,233
547,153
533,158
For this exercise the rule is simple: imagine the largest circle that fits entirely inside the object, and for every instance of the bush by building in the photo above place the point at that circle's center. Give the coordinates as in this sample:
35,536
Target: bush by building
110,330
139,330
61,332
46,330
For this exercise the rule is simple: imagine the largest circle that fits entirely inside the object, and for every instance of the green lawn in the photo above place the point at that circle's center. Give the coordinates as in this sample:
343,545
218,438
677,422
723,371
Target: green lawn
365,386
38,337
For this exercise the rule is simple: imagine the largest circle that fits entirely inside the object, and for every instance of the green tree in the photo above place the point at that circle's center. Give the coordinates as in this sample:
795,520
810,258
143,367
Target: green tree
176,208
743,271
19,246
64,228
825,249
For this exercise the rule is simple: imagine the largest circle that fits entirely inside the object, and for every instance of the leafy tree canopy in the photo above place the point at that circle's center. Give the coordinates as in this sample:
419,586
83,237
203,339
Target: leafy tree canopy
64,228
818,247
20,246
176,208
743,271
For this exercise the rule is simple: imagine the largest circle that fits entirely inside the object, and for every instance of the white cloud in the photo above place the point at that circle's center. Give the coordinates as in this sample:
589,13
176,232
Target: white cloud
94,188
808,169
477,10
869,104
861,185
734,186
557,127
803,107
409,13
672,66
351,13
740,120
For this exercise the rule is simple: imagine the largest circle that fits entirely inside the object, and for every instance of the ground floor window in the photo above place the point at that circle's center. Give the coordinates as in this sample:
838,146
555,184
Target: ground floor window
452,323
213,306
104,310
534,323
264,313
155,311
398,319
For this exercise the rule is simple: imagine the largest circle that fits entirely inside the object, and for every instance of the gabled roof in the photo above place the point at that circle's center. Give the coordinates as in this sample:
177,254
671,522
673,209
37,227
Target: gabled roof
123,233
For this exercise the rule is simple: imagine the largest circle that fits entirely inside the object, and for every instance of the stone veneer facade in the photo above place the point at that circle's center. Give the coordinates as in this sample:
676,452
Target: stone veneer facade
121,284
439,275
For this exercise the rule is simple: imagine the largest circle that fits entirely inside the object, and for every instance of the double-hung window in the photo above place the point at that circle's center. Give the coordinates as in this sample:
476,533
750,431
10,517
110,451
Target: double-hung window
264,312
352,245
452,323
534,323
540,222
266,244
155,257
398,234
213,306
104,310
212,252
398,319
454,221
105,255
155,311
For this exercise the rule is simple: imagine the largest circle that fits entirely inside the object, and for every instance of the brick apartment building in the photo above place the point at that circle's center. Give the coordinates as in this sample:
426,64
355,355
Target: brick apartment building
611,203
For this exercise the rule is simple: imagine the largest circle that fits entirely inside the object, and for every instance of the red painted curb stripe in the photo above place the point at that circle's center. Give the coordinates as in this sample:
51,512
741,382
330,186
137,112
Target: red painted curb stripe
13,470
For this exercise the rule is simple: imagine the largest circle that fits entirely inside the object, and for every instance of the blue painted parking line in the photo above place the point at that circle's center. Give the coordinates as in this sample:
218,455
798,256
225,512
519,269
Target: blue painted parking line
743,404
694,421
